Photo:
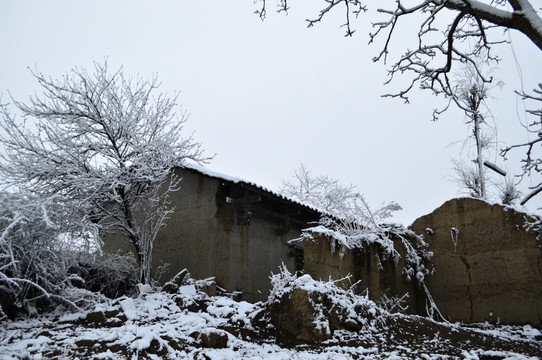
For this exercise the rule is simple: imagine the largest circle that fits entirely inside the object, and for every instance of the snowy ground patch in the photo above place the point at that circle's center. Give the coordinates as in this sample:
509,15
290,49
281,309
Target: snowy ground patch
192,325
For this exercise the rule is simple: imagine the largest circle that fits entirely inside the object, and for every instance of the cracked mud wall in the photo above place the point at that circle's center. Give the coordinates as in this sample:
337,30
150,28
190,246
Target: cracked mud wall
488,267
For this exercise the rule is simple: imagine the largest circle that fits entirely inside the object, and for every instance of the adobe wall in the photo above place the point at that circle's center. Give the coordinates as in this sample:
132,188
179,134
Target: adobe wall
488,267
220,230
323,261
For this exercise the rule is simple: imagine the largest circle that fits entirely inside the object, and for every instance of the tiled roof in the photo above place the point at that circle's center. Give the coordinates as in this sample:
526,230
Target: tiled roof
213,174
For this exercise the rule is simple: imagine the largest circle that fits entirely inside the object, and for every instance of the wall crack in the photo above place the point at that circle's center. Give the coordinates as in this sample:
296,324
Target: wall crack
469,286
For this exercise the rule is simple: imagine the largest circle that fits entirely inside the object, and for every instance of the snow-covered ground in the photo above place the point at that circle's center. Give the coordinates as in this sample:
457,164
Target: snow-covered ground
192,325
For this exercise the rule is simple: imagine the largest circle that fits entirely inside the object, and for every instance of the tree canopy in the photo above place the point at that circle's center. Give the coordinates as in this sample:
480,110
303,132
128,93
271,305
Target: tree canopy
102,144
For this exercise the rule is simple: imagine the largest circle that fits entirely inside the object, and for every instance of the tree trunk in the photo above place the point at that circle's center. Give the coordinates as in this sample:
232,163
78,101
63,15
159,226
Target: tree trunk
145,260
479,160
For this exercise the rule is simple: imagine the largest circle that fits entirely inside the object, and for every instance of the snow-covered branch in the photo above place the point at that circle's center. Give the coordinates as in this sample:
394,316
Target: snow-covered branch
532,160
321,191
448,32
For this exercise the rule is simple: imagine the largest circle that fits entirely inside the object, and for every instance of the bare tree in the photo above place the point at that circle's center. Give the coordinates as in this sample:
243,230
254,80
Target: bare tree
471,95
320,191
448,32
532,162
99,143
335,199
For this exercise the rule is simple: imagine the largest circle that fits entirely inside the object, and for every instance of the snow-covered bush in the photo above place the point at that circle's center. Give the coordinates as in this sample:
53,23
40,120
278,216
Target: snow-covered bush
508,192
34,261
321,191
333,198
346,215
350,223
393,304
112,275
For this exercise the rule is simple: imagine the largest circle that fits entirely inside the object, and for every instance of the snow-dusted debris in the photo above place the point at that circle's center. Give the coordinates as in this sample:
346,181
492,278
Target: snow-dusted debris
311,311
188,325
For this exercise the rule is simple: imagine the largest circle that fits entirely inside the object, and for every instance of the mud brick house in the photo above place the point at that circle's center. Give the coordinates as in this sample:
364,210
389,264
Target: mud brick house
487,266
230,229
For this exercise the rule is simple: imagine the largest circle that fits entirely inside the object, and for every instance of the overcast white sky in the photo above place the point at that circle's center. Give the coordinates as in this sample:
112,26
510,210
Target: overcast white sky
268,96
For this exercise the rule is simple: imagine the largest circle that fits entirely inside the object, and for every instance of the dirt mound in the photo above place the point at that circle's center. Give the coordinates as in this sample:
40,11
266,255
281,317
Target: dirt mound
311,311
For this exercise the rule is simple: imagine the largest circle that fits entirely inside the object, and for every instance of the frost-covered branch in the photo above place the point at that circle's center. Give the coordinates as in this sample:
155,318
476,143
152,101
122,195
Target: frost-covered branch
350,223
352,8
430,63
448,32
532,161
282,6
321,191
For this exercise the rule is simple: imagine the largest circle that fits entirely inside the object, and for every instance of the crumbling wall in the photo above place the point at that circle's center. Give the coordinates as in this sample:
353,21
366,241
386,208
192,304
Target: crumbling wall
324,260
488,267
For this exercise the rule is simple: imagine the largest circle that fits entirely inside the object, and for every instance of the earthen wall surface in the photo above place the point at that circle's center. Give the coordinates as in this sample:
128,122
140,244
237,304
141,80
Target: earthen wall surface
224,230
488,266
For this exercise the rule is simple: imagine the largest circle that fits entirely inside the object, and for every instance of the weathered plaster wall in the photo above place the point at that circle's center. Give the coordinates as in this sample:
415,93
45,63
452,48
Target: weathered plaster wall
323,260
221,229
488,268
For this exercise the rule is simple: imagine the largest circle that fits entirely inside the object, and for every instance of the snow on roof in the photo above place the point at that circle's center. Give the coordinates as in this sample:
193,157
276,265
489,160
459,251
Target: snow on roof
213,174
